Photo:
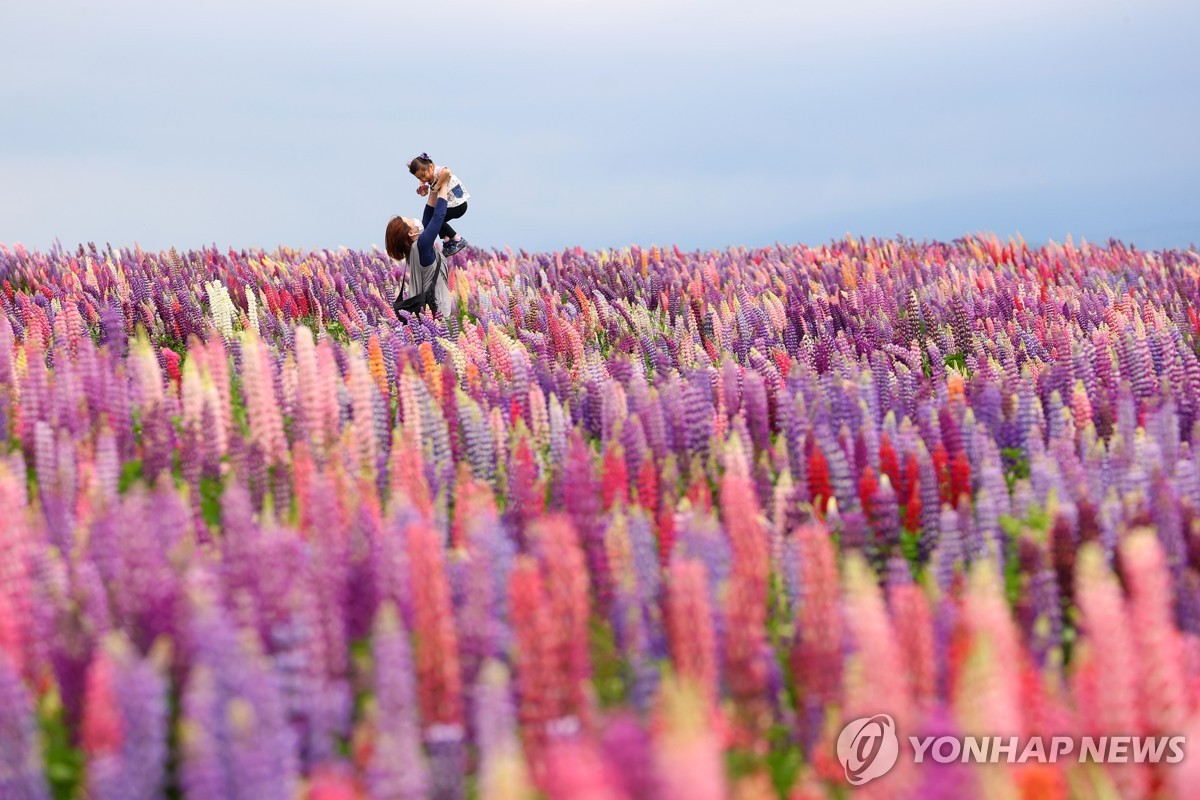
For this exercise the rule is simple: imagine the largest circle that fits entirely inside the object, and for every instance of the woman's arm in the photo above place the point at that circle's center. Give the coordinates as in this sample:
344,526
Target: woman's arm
432,227
433,222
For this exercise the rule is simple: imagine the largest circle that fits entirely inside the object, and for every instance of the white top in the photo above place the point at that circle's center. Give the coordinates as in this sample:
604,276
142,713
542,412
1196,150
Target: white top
458,193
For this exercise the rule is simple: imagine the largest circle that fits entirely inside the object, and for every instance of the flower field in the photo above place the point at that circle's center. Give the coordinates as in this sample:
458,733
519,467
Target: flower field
628,524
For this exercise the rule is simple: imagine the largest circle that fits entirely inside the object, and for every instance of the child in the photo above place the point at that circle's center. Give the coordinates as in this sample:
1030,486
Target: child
426,172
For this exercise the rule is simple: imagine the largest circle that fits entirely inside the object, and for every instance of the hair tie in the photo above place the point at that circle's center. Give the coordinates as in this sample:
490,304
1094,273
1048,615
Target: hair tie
425,156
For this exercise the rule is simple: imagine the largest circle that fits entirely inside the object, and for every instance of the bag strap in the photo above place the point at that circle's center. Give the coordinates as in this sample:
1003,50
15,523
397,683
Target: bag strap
436,273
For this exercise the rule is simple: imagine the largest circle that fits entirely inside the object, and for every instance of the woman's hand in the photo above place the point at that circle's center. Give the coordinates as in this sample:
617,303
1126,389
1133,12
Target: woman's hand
442,179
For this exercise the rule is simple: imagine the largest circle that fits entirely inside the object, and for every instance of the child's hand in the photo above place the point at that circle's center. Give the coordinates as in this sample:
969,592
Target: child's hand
442,179
423,189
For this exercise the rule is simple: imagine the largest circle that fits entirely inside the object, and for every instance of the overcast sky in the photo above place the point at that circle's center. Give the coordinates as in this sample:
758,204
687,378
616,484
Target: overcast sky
599,122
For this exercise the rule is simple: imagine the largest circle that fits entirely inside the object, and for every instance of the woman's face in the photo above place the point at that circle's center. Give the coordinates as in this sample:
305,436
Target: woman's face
414,225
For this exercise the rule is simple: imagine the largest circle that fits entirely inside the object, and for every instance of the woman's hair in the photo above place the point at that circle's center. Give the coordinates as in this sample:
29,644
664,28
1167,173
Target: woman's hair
420,161
399,238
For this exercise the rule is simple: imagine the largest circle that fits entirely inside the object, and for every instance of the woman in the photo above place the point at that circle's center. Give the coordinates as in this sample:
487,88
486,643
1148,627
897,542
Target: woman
408,239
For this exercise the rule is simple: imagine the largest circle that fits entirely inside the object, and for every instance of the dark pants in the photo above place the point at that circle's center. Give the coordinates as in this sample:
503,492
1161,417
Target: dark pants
452,213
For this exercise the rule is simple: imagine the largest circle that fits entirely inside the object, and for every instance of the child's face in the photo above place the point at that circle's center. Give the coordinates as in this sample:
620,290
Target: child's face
425,173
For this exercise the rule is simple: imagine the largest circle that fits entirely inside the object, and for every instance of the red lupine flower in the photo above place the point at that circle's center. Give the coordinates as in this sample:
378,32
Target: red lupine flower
819,487
614,478
914,508
868,486
941,467
646,489
960,476
889,464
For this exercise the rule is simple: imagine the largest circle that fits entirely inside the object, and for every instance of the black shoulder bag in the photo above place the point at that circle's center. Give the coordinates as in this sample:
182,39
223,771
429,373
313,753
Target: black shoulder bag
418,302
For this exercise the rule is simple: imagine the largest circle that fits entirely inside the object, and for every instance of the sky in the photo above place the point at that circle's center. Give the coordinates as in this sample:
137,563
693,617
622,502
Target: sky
599,123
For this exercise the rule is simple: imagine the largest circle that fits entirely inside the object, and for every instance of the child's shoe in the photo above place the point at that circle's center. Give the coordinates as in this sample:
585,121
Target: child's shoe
452,246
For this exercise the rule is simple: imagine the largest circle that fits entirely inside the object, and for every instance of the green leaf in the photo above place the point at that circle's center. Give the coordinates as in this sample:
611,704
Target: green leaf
131,472
64,763
210,501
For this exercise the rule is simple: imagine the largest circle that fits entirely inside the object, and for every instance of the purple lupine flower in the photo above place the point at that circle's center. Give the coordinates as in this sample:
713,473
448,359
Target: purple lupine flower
397,770
134,691
21,776
697,416
236,741
582,502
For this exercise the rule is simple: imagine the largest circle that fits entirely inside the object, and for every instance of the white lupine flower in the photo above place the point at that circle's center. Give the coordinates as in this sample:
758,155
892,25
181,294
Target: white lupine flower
221,306
252,310
456,356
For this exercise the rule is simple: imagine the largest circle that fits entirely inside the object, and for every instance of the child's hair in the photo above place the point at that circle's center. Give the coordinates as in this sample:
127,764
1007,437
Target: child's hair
420,161
399,238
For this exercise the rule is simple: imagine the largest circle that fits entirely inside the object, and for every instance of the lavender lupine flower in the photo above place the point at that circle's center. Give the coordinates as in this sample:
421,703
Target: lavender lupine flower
503,772
125,724
21,776
397,770
236,742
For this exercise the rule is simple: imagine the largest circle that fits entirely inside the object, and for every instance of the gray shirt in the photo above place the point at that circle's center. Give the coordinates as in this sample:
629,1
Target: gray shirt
419,277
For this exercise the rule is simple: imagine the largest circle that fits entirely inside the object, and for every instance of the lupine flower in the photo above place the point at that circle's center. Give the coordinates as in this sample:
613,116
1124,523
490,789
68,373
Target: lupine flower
21,775
688,751
396,769
176,407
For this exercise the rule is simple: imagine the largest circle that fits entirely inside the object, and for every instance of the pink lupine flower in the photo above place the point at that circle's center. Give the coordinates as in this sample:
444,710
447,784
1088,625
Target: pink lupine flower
689,624
567,593
1163,690
577,770
746,601
914,633
438,676
688,750
539,672
1107,690
868,688
262,403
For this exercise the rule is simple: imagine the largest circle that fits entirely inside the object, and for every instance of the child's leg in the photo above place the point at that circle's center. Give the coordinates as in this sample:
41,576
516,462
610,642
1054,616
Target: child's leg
452,213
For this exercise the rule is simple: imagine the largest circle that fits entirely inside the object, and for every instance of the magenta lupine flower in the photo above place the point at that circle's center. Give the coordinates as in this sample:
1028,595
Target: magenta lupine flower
629,747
